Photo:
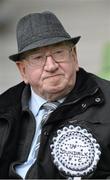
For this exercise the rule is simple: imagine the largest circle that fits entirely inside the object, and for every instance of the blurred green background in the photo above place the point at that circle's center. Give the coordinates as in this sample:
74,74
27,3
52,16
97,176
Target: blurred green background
105,63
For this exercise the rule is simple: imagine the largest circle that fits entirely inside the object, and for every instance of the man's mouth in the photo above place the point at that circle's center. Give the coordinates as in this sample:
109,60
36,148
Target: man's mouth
52,76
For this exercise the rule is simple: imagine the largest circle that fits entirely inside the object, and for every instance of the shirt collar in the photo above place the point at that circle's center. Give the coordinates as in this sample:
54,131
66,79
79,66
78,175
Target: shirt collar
36,102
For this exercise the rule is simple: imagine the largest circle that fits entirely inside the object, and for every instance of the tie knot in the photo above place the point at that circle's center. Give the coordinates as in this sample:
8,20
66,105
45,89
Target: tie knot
50,106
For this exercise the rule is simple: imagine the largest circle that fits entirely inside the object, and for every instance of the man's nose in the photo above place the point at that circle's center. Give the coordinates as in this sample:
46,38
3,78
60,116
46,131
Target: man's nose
50,64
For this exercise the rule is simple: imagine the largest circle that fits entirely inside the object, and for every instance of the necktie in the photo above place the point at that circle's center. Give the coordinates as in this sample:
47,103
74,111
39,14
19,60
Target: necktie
48,107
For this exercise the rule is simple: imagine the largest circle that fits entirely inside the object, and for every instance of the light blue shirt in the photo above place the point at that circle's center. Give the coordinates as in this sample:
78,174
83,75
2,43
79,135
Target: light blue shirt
34,105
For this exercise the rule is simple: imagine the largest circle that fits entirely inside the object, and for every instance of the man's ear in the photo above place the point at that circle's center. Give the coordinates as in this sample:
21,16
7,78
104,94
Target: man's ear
22,69
74,51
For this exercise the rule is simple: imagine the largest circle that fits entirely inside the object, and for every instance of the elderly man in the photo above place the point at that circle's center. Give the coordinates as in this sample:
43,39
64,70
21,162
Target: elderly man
56,123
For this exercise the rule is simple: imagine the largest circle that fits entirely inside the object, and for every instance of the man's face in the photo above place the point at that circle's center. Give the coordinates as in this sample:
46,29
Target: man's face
51,70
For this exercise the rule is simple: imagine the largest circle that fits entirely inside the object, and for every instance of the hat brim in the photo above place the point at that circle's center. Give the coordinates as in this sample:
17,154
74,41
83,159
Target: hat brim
42,43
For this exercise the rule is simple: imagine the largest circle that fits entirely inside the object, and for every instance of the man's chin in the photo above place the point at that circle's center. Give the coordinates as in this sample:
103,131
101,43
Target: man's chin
52,95
53,90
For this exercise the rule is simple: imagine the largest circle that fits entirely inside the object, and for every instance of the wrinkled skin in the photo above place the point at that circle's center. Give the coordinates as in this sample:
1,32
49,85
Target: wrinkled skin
54,80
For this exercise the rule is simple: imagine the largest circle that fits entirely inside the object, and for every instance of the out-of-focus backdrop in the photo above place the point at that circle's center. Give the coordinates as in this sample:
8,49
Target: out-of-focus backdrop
88,18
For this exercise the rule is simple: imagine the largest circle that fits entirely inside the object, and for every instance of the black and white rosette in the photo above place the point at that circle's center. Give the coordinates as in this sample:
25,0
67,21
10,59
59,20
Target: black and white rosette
75,152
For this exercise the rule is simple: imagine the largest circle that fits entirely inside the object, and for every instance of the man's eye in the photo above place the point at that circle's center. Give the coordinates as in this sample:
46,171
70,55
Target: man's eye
58,52
38,57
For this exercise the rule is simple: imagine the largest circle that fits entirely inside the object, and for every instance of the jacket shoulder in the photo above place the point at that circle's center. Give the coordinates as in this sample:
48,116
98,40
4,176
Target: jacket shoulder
102,83
12,95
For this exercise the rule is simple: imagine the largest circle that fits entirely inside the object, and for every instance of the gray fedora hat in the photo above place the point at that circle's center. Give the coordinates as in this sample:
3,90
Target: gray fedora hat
38,30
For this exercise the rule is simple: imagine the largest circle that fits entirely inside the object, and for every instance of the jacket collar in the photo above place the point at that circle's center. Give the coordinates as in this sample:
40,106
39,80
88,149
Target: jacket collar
85,86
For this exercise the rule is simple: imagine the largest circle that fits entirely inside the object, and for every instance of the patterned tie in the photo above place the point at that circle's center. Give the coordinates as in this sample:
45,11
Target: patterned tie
48,107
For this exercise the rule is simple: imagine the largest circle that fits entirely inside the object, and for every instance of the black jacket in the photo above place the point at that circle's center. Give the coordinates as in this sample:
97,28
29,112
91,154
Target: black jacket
87,106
